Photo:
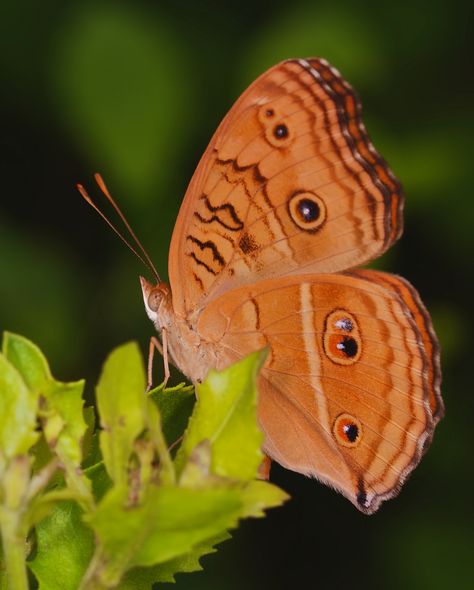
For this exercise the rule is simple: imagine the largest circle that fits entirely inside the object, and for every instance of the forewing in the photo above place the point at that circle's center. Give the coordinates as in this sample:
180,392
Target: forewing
290,183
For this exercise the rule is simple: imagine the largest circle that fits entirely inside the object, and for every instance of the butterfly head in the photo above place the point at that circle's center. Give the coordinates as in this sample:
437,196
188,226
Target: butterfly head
156,298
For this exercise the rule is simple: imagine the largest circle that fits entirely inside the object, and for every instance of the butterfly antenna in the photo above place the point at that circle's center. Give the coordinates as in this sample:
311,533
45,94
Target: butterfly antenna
144,257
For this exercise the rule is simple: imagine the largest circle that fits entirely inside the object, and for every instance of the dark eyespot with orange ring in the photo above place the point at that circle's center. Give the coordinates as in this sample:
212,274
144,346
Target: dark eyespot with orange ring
347,430
267,114
342,340
307,210
280,131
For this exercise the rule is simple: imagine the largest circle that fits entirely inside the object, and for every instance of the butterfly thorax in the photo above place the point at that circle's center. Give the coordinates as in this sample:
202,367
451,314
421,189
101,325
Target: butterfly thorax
189,353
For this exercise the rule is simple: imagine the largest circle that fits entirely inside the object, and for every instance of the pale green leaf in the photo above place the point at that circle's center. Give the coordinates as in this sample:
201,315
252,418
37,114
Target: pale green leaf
258,496
18,407
190,562
143,578
155,433
65,402
169,524
121,401
64,427
197,470
226,415
28,360
174,526
62,408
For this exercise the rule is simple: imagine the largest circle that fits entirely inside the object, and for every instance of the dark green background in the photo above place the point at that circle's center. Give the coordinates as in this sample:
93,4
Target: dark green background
135,90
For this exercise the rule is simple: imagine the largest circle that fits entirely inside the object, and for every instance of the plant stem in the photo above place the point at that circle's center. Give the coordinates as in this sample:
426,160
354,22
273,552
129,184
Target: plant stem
91,580
94,584
14,550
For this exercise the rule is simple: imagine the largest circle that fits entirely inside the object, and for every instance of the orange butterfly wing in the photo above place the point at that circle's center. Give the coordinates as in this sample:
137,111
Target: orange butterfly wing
350,391
290,183
290,186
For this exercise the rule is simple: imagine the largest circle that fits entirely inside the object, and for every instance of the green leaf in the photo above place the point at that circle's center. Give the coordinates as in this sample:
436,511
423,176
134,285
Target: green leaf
100,480
64,548
170,523
18,407
28,360
121,402
174,526
65,426
197,470
257,496
175,405
62,408
41,453
226,415
189,562
90,446
168,528
155,433
43,504
147,528
3,572
143,578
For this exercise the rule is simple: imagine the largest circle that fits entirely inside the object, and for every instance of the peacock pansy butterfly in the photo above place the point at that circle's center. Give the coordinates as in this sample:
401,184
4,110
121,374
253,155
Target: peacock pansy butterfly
288,200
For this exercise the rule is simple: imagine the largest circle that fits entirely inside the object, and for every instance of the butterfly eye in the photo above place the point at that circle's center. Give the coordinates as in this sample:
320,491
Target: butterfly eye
342,341
155,298
347,430
307,210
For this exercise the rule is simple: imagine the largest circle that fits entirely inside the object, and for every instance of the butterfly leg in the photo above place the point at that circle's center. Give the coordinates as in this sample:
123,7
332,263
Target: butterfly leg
166,364
264,468
155,344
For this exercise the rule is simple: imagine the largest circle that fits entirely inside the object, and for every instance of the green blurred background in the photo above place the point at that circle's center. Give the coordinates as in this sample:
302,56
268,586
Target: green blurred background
135,90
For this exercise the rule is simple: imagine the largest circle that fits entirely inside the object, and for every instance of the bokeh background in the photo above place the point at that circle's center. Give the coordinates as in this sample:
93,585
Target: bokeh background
135,90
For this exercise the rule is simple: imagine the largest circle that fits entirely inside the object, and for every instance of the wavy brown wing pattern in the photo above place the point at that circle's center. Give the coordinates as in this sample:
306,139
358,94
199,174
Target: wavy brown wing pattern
350,391
425,331
290,184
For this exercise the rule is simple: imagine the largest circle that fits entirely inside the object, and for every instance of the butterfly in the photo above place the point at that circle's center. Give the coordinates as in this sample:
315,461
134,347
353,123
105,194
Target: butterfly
289,199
